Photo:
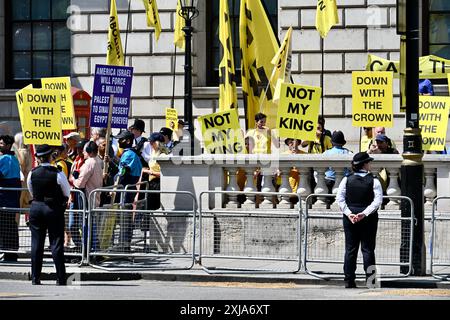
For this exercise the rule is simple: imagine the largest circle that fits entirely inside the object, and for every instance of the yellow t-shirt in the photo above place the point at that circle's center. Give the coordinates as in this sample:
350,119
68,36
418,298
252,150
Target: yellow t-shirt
316,146
365,143
261,140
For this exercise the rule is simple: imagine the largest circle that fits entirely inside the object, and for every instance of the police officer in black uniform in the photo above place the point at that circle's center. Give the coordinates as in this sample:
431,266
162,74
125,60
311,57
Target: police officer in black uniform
359,196
50,191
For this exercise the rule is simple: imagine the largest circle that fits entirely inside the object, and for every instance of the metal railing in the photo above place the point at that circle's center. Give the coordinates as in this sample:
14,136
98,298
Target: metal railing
440,246
328,245
262,240
122,244
24,234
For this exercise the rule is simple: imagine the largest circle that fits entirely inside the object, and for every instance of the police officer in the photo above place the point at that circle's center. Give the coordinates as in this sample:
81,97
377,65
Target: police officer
50,191
359,196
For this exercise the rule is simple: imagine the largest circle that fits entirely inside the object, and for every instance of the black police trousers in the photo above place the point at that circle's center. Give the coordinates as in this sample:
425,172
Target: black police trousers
363,232
43,218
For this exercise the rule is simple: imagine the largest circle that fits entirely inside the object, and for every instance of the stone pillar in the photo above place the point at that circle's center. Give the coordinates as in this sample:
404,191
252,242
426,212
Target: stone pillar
430,189
249,187
232,186
267,186
285,188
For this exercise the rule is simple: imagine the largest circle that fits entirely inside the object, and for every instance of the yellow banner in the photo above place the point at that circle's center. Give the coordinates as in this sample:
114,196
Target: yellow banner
258,46
42,115
172,118
298,111
433,120
180,23
62,84
114,54
19,100
448,82
222,133
151,9
227,81
372,99
326,16
430,67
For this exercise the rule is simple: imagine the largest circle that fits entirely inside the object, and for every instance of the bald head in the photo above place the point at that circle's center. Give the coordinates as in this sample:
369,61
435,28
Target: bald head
379,130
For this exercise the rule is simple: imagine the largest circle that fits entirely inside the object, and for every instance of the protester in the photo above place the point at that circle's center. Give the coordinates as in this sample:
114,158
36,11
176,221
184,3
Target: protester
322,141
338,142
377,131
168,142
9,178
108,177
50,190
382,146
359,196
23,154
61,160
426,87
366,139
130,168
72,139
262,138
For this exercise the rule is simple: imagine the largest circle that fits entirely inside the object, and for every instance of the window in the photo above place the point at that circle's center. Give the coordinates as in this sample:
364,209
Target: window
38,41
213,44
437,29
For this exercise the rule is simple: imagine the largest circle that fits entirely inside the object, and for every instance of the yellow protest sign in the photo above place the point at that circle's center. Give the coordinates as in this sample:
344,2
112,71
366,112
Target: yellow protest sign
448,80
62,84
19,100
222,133
372,99
430,67
42,117
298,111
433,120
172,118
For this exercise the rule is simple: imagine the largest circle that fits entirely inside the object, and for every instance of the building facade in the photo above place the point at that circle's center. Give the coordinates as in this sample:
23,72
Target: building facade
366,26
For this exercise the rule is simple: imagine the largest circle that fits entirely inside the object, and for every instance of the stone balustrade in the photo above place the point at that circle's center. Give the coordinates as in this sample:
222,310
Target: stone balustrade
237,173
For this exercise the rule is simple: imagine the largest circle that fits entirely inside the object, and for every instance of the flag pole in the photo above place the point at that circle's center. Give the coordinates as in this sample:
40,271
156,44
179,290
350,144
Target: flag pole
172,103
321,74
126,36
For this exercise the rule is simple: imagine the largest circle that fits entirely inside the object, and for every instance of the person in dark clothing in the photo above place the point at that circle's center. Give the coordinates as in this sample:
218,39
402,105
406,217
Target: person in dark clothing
9,178
50,191
359,196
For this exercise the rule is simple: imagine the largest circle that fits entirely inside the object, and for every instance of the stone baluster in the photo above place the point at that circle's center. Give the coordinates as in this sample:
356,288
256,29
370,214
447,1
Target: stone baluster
321,188
285,188
267,186
249,187
339,176
303,188
430,189
393,189
232,186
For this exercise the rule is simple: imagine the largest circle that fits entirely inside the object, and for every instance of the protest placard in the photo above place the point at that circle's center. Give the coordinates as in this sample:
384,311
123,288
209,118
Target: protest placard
222,133
111,80
19,100
298,111
372,99
42,117
433,120
172,118
62,84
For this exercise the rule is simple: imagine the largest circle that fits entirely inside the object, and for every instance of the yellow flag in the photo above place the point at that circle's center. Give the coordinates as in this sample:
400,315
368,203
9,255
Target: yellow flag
281,73
258,46
326,16
114,55
151,8
227,82
178,38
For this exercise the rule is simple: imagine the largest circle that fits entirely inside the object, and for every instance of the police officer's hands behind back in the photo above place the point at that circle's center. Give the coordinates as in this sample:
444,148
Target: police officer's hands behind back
354,218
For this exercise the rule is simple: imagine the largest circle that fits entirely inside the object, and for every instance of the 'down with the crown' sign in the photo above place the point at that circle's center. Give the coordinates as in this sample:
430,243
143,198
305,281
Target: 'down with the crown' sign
433,120
62,84
172,118
222,133
372,99
42,117
19,100
298,111
111,80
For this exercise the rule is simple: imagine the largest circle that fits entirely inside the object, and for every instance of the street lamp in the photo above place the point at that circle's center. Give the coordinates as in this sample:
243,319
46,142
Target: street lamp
188,12
412,167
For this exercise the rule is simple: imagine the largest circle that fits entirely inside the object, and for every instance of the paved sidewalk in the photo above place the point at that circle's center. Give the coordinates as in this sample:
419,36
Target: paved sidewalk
116,270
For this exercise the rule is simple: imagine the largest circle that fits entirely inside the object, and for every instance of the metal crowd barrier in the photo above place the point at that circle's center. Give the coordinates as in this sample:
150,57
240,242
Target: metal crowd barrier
24,233
250,241
440,246
118,241
324,242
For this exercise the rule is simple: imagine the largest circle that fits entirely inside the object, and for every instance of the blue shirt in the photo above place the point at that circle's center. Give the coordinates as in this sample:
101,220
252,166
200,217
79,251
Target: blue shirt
330,174
9,167
130,159
425,87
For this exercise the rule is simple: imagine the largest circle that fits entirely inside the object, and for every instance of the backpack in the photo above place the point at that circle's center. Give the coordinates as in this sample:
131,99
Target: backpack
138,150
